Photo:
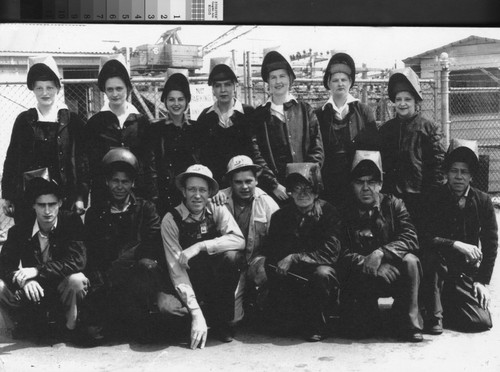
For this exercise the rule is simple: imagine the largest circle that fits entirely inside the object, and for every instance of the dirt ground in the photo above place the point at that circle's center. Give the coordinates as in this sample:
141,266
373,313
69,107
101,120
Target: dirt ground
254,350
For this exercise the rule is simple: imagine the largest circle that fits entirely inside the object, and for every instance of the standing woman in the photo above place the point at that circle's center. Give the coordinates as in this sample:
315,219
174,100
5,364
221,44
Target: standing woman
118,124
346,125
45,143
412,151
172,143
286,129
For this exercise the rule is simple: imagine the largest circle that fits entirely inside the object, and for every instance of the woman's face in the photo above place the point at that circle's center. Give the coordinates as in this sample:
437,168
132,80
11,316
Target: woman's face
405,104
279,82
339,84
175,103
45,93
116,91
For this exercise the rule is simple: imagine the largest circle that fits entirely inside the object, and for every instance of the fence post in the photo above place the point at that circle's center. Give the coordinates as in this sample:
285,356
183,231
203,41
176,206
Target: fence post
249,78
245,80
364,89
445,96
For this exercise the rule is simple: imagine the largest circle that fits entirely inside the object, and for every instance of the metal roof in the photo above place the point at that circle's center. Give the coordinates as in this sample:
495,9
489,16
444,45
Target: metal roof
471,40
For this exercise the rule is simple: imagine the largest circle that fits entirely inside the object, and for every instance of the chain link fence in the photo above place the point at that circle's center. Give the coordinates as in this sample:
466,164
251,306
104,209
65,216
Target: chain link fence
475,115
475,112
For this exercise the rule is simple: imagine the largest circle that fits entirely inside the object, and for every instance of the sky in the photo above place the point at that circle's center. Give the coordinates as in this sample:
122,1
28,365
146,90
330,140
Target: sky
378,47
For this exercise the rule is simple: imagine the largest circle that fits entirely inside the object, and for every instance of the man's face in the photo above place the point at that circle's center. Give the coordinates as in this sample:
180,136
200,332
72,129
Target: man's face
224,91
120,186
243,184
279,82
46,208
303,195
366,190
196,193
459,177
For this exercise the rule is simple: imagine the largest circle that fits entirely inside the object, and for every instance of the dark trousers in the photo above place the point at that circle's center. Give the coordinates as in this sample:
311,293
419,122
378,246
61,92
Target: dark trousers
449,294
360,294
414,205
124,300
214,279
337,188
303,303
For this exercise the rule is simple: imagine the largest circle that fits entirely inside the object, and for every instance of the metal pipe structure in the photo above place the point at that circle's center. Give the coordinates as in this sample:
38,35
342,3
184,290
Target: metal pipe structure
445,96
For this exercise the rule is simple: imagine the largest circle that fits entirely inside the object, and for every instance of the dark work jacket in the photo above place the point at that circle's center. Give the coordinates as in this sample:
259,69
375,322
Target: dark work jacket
412,154
218,145
65,160
476,224
66,247
362,135
304,139
391,227
118,241
315,242
171,150
102,133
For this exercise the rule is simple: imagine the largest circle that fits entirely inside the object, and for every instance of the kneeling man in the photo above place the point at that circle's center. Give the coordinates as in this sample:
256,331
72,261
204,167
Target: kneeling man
203,247
49,247
380,261
301,254
461,247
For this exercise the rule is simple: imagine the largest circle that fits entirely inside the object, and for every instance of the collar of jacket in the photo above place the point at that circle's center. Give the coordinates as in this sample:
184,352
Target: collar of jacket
290,101
407,120
230,199
63,116
169,121
107,204
185,213
237,107
350,99
131,116
351,211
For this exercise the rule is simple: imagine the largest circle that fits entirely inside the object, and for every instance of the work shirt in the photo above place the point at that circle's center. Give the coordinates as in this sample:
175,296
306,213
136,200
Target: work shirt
225,118
42,239
231,238
342,111
263,207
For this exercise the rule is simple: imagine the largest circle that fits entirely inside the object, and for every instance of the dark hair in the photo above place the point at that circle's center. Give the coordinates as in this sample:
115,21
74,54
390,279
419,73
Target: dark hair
40,186
121,166
243,169
461,155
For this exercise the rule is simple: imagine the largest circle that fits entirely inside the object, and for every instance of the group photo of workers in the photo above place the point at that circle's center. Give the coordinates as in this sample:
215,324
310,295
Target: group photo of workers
285,217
